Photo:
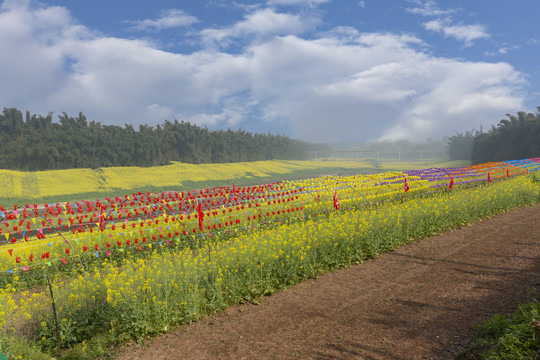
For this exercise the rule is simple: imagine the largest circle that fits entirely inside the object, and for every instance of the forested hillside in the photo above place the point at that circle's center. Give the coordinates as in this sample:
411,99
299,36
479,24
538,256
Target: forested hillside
38,143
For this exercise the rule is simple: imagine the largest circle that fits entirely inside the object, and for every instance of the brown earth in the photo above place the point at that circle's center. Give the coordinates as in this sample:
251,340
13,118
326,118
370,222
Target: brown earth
419,302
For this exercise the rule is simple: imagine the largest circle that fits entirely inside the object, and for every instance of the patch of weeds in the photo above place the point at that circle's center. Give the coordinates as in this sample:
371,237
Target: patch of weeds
21,349
507,337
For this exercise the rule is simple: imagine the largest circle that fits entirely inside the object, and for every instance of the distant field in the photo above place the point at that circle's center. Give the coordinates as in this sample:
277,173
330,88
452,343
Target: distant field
64,185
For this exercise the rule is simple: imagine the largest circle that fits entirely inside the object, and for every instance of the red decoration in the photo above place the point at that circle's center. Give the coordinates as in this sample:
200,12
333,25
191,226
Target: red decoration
200,214
336,201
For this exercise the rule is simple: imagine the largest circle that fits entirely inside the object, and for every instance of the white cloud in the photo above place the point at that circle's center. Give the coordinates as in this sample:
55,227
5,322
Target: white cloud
466,33
231,115
503,49
444,23
260,23
170,18
373,85
310,3
462,95
429,8
342,85
31,59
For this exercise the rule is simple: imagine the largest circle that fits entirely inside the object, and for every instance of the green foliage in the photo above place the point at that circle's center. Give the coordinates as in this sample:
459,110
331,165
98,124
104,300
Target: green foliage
510,338
98,347
513,138
21,349
460,146
37,143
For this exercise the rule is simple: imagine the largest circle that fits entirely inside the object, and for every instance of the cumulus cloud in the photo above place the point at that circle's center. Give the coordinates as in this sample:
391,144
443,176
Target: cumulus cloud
31,56
340,85
466,33
261,23
404,93
459,94
170,18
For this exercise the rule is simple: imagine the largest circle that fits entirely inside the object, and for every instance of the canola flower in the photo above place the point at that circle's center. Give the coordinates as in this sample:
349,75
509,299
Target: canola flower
78,181
147,220
135,297
252,241
16,184
143,217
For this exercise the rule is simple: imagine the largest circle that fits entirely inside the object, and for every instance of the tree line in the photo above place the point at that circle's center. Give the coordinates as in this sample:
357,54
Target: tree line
516,137
35,142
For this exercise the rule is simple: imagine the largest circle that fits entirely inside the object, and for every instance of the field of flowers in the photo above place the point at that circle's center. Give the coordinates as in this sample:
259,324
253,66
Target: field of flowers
43,184
138,264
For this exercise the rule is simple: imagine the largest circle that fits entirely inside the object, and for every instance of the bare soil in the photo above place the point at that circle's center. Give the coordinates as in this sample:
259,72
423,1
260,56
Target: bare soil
419,302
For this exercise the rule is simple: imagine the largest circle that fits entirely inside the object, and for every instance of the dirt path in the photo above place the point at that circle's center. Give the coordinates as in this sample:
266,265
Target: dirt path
419,302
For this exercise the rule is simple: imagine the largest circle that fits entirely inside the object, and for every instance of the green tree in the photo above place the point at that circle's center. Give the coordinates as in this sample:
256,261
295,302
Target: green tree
517,137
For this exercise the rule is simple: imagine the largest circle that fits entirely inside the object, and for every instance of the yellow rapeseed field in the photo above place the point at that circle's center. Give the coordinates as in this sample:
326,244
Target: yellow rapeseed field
29,185
130,275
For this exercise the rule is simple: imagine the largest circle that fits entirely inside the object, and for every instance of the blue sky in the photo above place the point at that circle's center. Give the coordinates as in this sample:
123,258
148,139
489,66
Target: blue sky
318,70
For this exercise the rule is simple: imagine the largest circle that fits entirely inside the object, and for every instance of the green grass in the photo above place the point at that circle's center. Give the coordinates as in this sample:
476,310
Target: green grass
507,337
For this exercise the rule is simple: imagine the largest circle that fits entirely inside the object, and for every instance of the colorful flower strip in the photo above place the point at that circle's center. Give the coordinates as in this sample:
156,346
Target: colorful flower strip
140,220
